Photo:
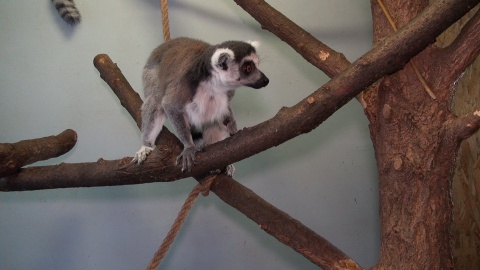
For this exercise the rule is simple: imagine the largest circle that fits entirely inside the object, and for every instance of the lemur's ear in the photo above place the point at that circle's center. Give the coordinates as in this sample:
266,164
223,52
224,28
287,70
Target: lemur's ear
255,44
223,61
222,57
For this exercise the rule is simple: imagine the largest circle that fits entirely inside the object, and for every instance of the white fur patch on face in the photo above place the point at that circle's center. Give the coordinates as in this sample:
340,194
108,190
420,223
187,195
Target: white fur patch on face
219,52
255,44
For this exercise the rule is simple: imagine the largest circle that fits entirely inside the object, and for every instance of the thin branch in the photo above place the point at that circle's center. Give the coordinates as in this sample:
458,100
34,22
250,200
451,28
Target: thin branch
13,156
111,74
386,58
280,225
461,53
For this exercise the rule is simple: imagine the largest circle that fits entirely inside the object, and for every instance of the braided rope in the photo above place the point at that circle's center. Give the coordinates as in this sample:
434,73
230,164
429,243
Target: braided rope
165,22
202,187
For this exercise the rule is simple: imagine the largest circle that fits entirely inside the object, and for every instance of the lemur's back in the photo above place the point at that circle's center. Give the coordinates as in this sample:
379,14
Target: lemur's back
169,63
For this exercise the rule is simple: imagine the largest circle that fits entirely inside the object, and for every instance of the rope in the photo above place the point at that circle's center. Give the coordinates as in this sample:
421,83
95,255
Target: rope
165,22
204,188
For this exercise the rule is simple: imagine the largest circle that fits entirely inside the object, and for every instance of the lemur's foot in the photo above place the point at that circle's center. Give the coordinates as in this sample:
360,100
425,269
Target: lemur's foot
187,157
142,154
228,170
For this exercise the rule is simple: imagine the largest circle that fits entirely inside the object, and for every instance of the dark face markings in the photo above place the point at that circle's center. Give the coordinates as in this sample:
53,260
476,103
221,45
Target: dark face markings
247,68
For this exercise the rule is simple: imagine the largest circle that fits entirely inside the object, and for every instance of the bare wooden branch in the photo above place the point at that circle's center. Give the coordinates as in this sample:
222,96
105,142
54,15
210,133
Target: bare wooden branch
111,74
280,225
464,127
461,53
13,156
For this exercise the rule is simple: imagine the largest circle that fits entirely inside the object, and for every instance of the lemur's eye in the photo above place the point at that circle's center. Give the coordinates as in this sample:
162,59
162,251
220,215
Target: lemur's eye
248,68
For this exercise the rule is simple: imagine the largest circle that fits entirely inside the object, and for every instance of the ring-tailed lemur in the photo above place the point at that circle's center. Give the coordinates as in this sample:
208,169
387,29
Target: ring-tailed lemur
192,83
68,11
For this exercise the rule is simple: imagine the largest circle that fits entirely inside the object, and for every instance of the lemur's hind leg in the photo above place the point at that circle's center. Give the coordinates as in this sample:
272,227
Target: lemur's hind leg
215,133
153,118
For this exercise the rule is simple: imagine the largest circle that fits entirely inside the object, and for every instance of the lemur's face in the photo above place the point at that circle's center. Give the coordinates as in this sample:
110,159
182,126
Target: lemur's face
233,72
250,74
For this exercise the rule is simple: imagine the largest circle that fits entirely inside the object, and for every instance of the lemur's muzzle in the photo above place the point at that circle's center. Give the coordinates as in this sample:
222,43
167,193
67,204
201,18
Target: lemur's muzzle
262,82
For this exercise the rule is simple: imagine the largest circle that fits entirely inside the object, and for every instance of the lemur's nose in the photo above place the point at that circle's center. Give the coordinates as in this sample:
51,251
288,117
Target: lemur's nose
265,81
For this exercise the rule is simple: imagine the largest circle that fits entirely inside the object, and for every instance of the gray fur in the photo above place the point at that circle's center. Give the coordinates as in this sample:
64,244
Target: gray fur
192,83
68,11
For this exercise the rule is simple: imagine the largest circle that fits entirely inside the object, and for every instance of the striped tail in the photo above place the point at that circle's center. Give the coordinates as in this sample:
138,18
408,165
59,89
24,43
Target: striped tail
68,11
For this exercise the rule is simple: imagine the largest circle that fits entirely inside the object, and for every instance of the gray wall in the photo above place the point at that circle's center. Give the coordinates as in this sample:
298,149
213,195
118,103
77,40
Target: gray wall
326,179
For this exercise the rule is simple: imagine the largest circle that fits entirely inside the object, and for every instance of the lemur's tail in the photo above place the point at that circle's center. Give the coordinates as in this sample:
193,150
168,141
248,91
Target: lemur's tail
68,11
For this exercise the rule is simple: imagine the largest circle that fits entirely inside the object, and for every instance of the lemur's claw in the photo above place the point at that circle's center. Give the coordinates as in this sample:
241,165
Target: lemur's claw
188,159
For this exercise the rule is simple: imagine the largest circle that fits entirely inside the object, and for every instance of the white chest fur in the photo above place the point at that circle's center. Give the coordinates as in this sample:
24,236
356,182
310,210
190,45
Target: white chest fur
208,105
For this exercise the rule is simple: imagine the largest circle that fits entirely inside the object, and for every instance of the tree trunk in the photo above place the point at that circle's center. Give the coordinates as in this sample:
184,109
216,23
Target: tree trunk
466,181
415,147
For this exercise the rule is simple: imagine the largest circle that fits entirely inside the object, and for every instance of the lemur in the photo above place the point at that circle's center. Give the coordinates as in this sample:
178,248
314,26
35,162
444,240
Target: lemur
68,11
191,83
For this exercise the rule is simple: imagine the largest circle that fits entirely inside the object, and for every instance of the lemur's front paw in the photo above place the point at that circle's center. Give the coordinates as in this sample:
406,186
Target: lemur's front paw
142,154
187,157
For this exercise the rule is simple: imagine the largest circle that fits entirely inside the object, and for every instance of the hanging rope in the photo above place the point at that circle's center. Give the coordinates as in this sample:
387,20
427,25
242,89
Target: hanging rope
165,22
204,188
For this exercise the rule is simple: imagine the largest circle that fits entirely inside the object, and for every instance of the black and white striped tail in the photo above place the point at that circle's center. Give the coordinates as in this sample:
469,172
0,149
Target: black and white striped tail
68,11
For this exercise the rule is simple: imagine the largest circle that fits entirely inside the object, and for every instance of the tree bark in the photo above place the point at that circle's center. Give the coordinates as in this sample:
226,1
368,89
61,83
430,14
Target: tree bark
466,181
416,140
13,156
283,227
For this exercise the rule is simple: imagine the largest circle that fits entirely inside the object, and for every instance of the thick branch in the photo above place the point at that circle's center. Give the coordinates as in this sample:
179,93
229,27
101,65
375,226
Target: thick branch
13,156
318,54
461,53
386,58
280,225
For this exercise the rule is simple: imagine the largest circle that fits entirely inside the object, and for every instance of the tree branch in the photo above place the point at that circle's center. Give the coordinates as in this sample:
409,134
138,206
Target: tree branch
113,76
13,156
386,58
464,127
461,53
280,225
